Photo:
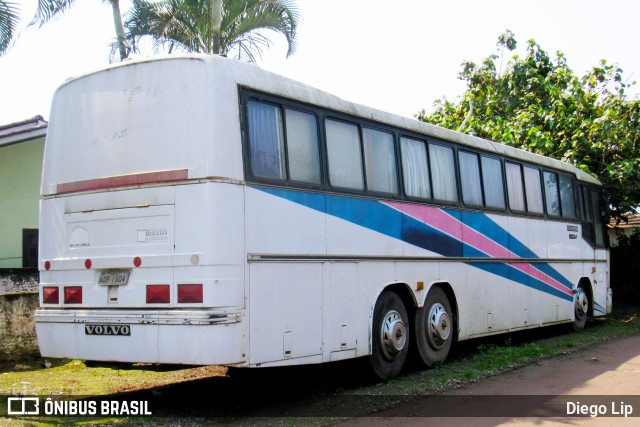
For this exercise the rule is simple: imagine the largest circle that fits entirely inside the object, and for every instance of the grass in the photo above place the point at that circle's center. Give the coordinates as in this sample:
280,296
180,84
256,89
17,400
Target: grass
73,377
319,389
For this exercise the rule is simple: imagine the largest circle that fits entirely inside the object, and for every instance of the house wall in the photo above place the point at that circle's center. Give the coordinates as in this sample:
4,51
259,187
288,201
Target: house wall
20,174
17,327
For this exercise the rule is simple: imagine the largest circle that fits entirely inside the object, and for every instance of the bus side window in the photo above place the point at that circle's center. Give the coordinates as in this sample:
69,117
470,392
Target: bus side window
415,168
567,198
266,140
597,218
470,177
493,182
587,217
345,157
551,193
515,188
380,161
302,146
443,174
533,186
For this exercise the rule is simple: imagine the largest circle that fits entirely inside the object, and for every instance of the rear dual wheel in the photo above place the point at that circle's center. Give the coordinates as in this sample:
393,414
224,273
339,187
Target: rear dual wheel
390,336
581,308
434,327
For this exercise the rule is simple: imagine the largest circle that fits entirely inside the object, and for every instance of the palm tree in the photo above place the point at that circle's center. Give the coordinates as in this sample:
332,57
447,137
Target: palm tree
8,24
47,9
212,26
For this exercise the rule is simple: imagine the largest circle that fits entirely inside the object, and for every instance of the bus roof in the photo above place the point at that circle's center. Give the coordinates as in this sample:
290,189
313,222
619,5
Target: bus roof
254,77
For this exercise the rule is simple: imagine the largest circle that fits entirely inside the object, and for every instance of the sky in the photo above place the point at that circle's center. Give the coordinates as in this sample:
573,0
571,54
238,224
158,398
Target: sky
398,56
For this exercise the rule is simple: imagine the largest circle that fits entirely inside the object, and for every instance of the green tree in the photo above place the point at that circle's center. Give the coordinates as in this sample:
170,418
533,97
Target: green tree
212,26
47,9
9,19
538,104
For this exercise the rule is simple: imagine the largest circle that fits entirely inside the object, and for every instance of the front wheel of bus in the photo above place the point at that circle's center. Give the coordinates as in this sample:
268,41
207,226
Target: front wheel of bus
434,328
581,308
390,336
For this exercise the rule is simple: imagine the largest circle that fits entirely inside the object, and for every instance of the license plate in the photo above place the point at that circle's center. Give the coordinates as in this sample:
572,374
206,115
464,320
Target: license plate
107,330
114,277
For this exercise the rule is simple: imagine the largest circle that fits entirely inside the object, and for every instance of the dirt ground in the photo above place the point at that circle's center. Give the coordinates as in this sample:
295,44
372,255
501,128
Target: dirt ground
605,374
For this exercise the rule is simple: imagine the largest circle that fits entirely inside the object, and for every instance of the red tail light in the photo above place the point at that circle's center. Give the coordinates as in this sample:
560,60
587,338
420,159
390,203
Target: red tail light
87,263
50,295
47,265
73,294
158,294
189,293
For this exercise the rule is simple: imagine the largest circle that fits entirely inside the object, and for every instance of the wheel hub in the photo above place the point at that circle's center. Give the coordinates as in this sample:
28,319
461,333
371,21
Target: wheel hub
393,335
582,302
438,326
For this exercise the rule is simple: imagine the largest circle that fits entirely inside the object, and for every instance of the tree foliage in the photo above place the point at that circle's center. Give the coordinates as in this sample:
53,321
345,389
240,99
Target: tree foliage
9,18
188,25
538,104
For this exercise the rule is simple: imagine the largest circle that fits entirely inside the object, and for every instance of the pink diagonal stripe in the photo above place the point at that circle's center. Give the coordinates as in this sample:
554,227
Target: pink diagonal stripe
446,223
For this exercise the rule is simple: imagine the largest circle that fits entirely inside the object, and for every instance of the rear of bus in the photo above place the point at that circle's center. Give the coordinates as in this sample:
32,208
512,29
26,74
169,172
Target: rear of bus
141,248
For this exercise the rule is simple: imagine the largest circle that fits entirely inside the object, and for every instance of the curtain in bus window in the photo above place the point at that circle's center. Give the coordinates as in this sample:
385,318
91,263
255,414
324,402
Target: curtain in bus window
470,177
551,193
533,190
493,182
266,143
567,197
597,217
345,159
443,174
514,186
302,146
415,169
379,161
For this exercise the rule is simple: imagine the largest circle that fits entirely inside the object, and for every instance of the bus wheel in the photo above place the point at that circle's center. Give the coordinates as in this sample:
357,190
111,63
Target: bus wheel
581,308
390,336
434,328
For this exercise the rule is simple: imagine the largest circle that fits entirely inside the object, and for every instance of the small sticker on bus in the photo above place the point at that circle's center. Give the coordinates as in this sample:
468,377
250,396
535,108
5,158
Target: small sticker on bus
153,235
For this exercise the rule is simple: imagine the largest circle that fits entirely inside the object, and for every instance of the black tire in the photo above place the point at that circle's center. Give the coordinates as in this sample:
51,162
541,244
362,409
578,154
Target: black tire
389,336
434,328
581,306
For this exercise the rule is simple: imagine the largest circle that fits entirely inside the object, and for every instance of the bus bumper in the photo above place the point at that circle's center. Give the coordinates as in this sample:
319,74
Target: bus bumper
192,337
609,301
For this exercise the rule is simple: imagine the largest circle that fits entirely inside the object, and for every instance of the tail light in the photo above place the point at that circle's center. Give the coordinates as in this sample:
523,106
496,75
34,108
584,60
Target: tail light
50,295
158,294
73,294
190,293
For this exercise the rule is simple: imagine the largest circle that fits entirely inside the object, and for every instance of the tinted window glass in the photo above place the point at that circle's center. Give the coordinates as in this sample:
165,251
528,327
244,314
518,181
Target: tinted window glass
493,182
567,197
470,178
380,161
533,188
266,142
415,169
443,174
345,158
597,217
551,193
514,187
302,146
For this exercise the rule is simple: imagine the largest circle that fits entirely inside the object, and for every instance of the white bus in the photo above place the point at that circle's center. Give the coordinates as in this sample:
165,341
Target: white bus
199,210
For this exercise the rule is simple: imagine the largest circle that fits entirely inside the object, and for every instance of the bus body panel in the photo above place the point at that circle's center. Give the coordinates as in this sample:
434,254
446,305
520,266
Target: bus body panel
154,337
